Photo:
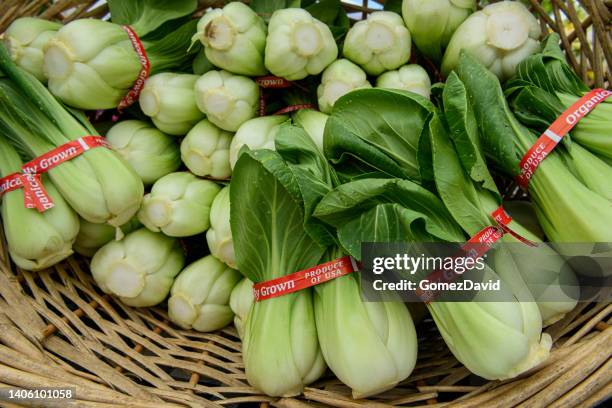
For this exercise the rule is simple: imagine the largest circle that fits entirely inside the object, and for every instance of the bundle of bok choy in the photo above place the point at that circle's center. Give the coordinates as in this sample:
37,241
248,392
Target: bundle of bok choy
568,172
545,86
99,185
92,64
404,136
35,240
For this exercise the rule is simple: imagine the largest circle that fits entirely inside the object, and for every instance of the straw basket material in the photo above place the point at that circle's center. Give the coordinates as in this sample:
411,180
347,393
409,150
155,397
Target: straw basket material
58,330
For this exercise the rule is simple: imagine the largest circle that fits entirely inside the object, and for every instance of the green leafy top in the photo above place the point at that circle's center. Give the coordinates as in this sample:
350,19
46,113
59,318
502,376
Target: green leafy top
377,132
267,218
146,16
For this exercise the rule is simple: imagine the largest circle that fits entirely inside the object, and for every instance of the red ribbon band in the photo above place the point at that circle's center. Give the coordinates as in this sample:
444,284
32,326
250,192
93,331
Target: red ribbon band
556,131
145,69
476,247
304,279
34,194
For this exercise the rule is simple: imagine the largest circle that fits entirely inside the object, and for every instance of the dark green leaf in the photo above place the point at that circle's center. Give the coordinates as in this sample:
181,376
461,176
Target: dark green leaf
380,128
267,218
394,5
464,132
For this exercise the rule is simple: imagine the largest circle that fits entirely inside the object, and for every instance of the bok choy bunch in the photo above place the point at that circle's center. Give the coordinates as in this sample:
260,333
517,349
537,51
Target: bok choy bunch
35,240
378,44
298,44
91,63
169,100
280,347
205,151
200,295
234,39
256,133
468,191
545,86
150,152
394,142
370,346
433,22
411,78
178,205
26,39
558,180
140,268
99,185
500,36
227,100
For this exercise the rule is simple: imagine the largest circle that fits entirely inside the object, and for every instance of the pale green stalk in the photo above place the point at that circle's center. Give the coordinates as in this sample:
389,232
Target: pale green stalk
151,153
234,38
35,240
200,296
169,100
205,151
99,185
140,268
178,205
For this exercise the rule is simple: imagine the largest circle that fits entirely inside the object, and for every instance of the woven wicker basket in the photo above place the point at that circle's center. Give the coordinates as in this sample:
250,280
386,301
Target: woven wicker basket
58,330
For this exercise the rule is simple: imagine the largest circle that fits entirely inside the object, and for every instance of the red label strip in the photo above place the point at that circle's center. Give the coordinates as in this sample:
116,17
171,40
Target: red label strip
304,279
34,194
269,82
10,183
145,69
556,131
293,108
63,153
273,82
476,247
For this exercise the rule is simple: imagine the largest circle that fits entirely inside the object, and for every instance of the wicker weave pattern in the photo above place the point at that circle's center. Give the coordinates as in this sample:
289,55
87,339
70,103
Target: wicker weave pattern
58,329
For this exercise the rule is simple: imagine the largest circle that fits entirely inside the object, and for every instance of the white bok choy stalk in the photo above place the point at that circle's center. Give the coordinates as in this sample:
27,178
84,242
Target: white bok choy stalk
280,347
199,298
378,44
219,235
91,63
411,78
205,151
241,301
340,78
298,44
140,268
370,345
433,22
26,39
499,36
169,100
227,100
150,152
178,205
234,39
256,133
35,240
99,185
313,122
92,237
